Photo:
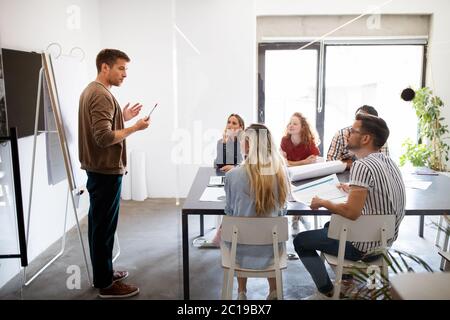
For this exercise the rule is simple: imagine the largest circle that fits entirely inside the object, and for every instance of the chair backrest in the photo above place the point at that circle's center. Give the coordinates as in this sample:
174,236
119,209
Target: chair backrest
255,230
364,229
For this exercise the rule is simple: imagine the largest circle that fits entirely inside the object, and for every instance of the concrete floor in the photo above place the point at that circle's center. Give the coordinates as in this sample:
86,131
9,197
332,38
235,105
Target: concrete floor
150,242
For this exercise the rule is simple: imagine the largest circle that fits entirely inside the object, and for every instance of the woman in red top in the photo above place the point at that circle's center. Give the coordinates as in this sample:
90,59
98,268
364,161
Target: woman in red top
298,145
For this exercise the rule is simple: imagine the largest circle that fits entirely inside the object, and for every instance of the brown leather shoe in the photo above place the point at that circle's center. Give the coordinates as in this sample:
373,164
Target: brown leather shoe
118,290
119,275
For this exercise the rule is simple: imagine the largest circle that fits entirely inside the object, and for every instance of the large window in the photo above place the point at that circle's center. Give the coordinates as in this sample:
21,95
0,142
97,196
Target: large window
354,75
290,85
373,75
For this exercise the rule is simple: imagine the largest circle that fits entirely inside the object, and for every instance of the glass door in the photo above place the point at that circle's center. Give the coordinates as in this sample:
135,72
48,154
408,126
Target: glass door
288,83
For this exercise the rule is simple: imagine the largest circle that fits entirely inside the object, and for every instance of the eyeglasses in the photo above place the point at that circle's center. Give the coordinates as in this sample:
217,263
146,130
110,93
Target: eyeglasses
352,131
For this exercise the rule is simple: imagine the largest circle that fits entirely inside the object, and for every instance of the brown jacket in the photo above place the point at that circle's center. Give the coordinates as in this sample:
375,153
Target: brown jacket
98,116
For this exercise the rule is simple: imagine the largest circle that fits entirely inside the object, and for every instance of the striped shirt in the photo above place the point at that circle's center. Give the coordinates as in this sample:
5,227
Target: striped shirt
338,148
386,191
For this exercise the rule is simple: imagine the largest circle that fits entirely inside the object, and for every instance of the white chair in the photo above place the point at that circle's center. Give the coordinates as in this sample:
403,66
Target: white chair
364,229
253,231
444,226
445,260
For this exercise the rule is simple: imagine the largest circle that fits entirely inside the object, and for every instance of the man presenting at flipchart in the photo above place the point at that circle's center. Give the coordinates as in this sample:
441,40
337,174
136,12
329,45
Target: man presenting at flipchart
102,152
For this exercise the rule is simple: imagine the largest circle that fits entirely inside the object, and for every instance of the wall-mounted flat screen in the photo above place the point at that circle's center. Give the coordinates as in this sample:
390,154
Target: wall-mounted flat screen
21,78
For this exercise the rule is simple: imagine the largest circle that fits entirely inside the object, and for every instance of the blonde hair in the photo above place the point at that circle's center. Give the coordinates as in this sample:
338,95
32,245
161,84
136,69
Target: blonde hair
308,133
264,167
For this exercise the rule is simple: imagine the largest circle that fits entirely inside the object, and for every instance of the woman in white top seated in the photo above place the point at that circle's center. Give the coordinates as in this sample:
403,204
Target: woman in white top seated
258,187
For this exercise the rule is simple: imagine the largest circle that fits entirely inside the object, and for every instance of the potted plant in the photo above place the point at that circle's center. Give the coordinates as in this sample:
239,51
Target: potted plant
431,150
398,262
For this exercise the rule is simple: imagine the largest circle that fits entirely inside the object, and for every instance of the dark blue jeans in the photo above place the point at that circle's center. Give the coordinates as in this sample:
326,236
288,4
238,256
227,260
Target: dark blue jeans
104,201
306,243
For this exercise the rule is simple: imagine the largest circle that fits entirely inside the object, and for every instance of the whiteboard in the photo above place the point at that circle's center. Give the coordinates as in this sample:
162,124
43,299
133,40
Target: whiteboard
66,78
56,171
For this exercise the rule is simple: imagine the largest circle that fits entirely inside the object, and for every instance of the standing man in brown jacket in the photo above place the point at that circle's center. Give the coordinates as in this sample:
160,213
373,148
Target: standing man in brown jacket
102,152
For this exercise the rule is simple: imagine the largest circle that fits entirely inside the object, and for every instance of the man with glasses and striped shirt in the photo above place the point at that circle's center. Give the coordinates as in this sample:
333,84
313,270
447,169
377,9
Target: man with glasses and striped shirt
375,187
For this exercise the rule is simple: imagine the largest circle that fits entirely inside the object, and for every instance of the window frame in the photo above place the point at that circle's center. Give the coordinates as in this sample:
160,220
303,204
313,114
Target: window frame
321,47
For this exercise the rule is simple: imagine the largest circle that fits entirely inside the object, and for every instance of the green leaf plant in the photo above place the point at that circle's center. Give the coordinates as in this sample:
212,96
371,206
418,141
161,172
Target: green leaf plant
398,262
431,150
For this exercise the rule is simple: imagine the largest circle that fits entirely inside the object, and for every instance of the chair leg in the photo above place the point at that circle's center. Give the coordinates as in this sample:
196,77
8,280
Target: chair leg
438,235
337,283
443,265
279,282
447,235
385,273
230,284
445,248
225,284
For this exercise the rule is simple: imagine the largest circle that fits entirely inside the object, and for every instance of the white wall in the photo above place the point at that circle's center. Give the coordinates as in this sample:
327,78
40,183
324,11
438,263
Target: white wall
219,78
145,35
31,26
438,67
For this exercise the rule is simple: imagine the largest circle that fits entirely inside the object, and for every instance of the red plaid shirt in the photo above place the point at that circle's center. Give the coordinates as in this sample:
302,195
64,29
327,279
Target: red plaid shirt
338,148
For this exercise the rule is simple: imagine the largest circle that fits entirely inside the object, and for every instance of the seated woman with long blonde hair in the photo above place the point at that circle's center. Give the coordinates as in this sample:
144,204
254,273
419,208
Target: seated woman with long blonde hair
258,187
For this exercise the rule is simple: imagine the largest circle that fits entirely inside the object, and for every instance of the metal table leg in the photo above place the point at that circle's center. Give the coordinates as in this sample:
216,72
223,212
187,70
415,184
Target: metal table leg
185,237
421,223
202,226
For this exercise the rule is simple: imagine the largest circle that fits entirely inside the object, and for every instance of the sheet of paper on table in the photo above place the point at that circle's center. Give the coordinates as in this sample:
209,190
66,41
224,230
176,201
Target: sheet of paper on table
417,184
325,188
213,194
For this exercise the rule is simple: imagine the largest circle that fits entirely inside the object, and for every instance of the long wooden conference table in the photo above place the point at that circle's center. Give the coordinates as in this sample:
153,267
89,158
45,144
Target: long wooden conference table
435,200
